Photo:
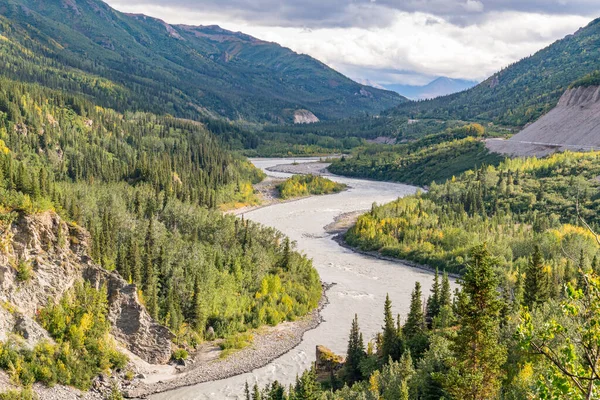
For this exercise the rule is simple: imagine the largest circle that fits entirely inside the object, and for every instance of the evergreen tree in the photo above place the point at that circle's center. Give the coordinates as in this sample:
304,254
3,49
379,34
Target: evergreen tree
445,293
247,391
433,302
198,314
355,354
256,393
287,249
414,329
275,392
151,294
148,264
536,281
135,262
389,339
415,321
476,371
307,387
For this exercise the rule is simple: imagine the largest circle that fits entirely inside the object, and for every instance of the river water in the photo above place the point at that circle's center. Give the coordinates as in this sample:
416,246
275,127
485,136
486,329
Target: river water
361,282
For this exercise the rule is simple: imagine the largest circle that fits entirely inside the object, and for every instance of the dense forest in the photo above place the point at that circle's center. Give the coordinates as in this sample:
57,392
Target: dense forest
436,157
524,322
147,188
592,79
510,207
340,136
521,92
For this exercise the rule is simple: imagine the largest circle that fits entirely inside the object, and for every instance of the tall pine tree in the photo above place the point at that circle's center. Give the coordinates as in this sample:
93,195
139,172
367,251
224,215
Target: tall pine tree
433,302
536,281
356,353
390,346
476,371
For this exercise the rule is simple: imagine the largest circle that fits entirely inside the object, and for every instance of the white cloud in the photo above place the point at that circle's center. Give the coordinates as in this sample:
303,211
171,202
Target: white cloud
410,47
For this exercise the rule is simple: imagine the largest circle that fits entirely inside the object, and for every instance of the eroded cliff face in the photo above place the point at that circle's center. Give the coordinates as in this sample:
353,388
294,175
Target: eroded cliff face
580,97
42,257
304,117
574,124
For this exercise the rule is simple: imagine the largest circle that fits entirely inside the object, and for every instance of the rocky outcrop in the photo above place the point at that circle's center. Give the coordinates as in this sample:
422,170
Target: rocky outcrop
574,124
131,323
327,360
304,117
44,246
42,257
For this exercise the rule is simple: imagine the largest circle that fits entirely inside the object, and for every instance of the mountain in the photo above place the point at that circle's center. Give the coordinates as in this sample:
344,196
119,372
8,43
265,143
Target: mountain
523,91
438,87
138,62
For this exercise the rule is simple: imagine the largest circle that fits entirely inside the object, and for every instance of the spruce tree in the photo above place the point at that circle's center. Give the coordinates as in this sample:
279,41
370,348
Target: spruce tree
414,329
355,354
247,391
389,338
536,281
307,387
433,302
276,392
198,314
446,293
476,371
256,393
135,262
415,321
151,294
148,252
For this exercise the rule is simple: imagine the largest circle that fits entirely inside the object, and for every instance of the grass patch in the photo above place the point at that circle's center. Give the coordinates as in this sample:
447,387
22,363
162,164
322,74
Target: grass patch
235,343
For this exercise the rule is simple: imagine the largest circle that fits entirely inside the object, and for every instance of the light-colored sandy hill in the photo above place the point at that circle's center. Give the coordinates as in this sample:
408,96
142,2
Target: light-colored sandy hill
574,124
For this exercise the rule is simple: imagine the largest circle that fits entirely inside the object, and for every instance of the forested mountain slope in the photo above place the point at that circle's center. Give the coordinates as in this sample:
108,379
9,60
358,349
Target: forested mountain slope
136,62
145,187
523,91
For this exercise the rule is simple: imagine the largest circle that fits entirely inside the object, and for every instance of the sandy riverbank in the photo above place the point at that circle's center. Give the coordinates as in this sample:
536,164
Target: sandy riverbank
314,168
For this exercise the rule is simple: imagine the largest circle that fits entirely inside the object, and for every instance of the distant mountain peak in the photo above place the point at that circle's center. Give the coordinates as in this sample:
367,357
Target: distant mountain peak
522,92
440,86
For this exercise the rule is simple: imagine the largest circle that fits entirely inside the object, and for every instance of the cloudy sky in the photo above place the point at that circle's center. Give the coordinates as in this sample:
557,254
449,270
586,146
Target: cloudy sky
391,41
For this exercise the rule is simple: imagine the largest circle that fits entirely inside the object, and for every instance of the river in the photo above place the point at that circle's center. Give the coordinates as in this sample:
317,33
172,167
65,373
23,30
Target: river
361,282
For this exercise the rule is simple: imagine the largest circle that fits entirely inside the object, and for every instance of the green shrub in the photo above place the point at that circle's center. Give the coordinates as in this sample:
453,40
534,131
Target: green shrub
180,355
23,394
24,271
235,343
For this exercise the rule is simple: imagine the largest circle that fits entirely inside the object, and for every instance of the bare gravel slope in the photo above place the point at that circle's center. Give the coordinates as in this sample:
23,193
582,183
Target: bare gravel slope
574,124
